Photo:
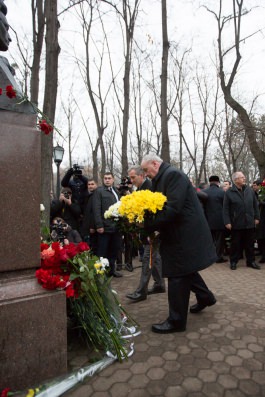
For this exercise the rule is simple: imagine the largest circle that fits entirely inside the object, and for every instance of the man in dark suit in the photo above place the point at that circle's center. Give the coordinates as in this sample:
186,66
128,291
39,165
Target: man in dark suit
139,180
109,238
186,244
213,208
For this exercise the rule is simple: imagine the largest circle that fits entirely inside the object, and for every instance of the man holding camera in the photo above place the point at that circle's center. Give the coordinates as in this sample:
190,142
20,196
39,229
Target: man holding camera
77,183
66,208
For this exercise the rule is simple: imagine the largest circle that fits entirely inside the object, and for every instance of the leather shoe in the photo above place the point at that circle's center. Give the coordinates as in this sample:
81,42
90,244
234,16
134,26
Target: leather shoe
129,267
136,297
167,327
156,290
233,266
253,265
116,274
221,260
198,307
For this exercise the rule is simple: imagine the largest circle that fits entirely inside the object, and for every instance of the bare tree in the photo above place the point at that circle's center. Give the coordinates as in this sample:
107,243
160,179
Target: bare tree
128,15
50,95
165,152
178,83
227,78
38,26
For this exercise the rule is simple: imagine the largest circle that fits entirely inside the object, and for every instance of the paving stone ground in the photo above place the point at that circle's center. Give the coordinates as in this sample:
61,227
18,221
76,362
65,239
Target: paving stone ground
221,354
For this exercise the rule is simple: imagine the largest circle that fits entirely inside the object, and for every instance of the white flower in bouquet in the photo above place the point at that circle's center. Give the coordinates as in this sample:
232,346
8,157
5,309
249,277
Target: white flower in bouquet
42,208
113,211
104,263
101,265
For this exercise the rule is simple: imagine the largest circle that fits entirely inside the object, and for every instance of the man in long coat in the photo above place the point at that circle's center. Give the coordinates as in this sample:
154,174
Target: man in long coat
213,208
186,243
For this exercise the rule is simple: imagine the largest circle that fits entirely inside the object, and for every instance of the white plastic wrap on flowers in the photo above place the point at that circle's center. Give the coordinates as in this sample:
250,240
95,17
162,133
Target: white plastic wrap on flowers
62,384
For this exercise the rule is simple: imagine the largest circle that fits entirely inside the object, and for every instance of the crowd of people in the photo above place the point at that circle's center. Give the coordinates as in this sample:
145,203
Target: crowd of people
214,223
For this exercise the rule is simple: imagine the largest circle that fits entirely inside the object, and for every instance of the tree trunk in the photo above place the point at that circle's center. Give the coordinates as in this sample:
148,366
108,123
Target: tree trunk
49,104
165,152
250,129
38,34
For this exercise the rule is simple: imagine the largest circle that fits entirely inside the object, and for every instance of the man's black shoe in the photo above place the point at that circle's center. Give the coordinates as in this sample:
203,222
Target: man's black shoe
253,265
119,266
116,274
233,266
167,327
129,267
136,297
221,260
198,307
156,290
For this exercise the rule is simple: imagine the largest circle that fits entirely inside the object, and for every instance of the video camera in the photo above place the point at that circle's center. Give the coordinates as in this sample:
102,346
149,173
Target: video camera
77,169
124,187
59,231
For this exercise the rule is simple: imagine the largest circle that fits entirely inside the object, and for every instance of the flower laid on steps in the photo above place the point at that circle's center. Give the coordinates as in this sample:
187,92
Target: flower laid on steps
44,124
93,306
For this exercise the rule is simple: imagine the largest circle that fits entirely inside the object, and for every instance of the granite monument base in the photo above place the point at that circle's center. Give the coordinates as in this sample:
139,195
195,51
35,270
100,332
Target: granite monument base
33,321
33,331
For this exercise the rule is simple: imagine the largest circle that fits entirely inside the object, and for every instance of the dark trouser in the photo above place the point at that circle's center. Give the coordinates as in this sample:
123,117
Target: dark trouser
179,295
108,245
128,248
261,246
219,242
155,271
93,242
242,239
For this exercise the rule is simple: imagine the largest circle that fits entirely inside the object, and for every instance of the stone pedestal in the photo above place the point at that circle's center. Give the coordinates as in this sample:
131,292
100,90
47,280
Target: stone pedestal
32,333
33,341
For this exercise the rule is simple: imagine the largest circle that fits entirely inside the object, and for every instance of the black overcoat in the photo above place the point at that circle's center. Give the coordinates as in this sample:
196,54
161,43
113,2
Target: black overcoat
240,209
186,241
213,207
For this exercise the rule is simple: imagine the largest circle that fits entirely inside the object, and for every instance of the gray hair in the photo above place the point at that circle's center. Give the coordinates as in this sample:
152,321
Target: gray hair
152,157
235,175
137,168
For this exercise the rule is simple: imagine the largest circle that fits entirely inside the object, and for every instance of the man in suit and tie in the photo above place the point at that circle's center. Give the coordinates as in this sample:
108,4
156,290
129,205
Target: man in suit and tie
139,180
109,238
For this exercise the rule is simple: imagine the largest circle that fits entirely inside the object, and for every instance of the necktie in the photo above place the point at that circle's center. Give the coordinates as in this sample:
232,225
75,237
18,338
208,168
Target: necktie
114,193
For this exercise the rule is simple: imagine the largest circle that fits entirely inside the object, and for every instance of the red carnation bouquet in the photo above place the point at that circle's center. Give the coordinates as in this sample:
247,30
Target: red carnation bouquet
56,267
93,306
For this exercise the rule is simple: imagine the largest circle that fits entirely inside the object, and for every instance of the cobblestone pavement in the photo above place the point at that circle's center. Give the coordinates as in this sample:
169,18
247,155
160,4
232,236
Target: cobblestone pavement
221,354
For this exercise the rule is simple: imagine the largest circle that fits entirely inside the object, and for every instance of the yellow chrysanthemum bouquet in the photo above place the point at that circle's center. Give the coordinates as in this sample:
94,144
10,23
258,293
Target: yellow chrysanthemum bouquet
136,206
130,212
141,203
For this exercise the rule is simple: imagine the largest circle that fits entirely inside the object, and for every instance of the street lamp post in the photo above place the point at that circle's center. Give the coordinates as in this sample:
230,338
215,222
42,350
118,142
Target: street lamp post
58,153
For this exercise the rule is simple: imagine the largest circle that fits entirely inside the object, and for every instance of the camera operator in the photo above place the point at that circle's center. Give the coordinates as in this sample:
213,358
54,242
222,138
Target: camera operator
125,186
62,232
77,183
66,208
